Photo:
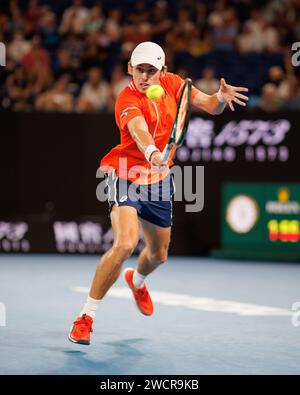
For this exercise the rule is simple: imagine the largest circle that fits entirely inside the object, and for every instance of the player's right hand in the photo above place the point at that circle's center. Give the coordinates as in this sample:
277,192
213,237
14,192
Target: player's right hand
157,161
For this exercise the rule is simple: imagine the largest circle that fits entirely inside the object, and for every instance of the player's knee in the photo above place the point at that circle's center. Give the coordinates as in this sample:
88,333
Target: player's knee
124,249
159,256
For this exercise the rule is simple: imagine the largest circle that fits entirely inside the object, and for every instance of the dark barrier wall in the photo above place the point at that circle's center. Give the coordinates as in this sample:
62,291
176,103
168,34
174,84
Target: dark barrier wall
49,162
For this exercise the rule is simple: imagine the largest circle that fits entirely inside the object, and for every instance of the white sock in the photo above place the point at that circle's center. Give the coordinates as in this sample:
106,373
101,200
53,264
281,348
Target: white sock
138,279
90,307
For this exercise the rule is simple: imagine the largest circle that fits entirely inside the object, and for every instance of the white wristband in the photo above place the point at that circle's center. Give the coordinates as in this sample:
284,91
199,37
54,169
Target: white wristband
149,151
220,96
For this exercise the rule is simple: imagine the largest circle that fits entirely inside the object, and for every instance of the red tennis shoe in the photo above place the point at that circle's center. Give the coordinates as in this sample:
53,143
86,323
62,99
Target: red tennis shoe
141,295
81,330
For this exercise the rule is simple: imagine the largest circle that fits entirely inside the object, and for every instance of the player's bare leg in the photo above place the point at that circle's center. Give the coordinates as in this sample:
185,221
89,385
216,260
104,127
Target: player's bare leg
126,235
157,241
126,231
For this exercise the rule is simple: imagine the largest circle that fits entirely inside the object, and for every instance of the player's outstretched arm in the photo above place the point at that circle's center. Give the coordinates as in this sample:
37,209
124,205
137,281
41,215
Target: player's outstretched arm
215,104
138,130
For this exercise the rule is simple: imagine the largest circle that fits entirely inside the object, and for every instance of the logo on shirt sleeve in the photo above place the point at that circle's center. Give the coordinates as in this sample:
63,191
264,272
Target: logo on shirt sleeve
125,111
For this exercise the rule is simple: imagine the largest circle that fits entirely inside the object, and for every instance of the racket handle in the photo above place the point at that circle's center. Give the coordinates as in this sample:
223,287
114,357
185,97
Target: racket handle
166,152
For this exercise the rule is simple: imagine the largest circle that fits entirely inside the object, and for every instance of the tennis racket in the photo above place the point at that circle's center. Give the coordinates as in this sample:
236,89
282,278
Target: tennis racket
180,125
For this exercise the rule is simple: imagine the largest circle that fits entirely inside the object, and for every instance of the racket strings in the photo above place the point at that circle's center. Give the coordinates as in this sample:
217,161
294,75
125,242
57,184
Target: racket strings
182,114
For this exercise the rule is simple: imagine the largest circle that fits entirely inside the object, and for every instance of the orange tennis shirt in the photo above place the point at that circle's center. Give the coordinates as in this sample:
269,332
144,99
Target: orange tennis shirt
128,161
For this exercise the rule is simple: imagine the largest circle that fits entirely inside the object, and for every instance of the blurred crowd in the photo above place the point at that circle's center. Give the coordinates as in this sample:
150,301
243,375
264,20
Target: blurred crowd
71,56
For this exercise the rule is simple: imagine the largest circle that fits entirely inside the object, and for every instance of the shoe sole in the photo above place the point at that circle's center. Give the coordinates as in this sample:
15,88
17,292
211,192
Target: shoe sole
144,313
83,342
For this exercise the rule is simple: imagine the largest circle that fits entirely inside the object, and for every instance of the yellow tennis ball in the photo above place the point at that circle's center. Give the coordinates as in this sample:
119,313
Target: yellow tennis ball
155,92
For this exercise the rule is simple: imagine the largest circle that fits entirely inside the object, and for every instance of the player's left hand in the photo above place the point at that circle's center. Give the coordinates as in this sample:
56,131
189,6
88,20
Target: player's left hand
231,94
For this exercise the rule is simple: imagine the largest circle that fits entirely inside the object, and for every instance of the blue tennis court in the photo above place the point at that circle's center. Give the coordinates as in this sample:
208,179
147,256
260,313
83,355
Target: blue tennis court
211,316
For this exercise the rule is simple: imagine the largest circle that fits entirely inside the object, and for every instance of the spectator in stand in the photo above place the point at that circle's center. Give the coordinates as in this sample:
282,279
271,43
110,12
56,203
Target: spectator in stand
48,30
201,11
179,37
170,57
135,34
125,54
270,38
37,65
208,83
33,16
112,29
225,30
253,30
18,47
76,46
96,20
87,38
94,56
160,21
64,65
37,57
94,93
216,15
17,20
57,99
282,84
74,18
22,87
183,72
3,21
138,26
119,81
258,35
293,100
19,90
248,41
270,101
200,43
140,13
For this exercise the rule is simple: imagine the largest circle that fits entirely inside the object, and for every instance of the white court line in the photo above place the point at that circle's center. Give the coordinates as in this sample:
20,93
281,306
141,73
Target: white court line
196,303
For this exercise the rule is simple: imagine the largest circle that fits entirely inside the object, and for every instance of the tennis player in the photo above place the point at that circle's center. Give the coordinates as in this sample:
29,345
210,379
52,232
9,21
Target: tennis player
136,172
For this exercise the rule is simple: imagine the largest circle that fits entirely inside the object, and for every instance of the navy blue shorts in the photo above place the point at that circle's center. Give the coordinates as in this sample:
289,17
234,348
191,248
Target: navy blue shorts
153,203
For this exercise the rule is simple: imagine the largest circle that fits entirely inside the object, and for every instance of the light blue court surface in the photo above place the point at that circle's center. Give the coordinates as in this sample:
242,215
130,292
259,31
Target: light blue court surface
210,317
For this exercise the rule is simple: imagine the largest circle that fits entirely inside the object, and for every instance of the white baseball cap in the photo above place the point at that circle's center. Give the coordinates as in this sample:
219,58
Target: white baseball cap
150,53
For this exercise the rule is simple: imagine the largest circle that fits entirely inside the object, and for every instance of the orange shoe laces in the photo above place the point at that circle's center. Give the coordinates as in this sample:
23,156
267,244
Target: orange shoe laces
142,292
81,324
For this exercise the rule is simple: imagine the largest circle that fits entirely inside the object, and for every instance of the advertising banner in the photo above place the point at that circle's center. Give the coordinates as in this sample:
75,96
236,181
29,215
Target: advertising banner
49,162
